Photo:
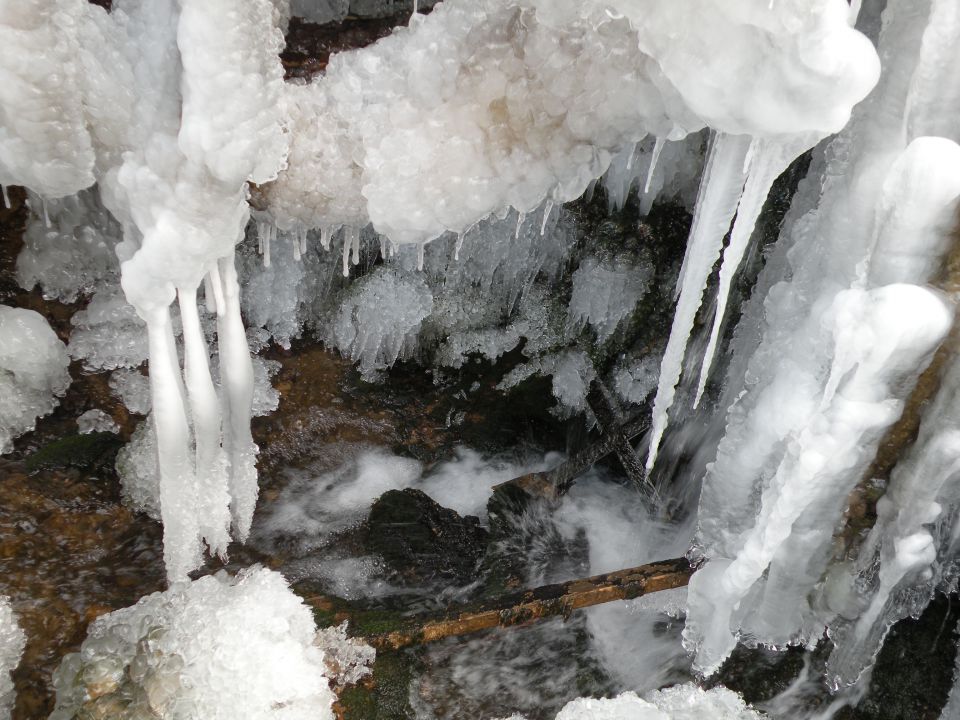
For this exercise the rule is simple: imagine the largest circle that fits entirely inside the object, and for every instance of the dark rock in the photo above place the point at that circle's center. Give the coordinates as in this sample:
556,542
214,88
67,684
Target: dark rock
420,540
84,452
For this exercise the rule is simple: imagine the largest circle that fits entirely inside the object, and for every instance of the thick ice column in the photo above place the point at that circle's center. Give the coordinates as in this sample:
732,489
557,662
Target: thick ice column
236,373
720,191
182,551
885,336
835,246
213,496
933,103
916,515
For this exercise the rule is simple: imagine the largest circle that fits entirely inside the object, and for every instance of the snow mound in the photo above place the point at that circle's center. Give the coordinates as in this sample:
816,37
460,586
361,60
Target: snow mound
681,702
217,648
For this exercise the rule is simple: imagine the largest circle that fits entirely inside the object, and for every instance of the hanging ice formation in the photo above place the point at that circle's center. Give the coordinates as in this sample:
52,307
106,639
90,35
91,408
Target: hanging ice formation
172,110
847,325
172,106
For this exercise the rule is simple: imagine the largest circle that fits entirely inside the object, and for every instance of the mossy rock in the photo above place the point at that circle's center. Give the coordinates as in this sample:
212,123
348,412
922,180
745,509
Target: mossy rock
84,452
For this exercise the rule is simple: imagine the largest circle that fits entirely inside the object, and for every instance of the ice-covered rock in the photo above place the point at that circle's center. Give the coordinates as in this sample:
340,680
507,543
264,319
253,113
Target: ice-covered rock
12,642
96,421
138,469
108,333
218,647
133,389
33,371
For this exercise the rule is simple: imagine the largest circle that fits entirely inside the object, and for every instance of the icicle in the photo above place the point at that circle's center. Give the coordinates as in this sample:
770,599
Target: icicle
296,249
265,233
46,214
325,237
302,236
415,8
633,155
767,160
383,247
456,248
355,246
520,218
213,503
654,158
420,252
719,194
6,197
214,275
236,375
346,252
182,551
591,188
855,6
547,209
209,296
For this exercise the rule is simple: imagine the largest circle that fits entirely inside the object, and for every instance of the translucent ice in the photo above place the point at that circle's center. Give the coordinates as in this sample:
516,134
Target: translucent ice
96,421
12,642
69,246
379,319
870,229
606,293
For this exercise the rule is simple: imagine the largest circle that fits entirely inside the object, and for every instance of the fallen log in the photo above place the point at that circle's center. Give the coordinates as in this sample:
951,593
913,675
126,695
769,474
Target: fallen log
538,604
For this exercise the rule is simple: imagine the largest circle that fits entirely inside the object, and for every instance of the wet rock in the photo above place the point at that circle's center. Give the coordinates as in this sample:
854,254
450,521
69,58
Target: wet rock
420,540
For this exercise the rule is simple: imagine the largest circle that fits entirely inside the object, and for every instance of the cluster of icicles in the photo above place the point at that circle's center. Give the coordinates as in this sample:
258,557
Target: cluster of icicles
174,107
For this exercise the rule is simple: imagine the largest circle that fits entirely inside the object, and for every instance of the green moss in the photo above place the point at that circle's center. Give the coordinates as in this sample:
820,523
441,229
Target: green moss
388,696
365,623
86,452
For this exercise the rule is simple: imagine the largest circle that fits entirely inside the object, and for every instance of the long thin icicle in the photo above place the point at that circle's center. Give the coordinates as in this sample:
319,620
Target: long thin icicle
178,487
720,190
768,160
213,502
236,374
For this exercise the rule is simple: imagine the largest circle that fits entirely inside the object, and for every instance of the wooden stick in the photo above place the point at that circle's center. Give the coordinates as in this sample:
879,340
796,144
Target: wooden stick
542,602
555,482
